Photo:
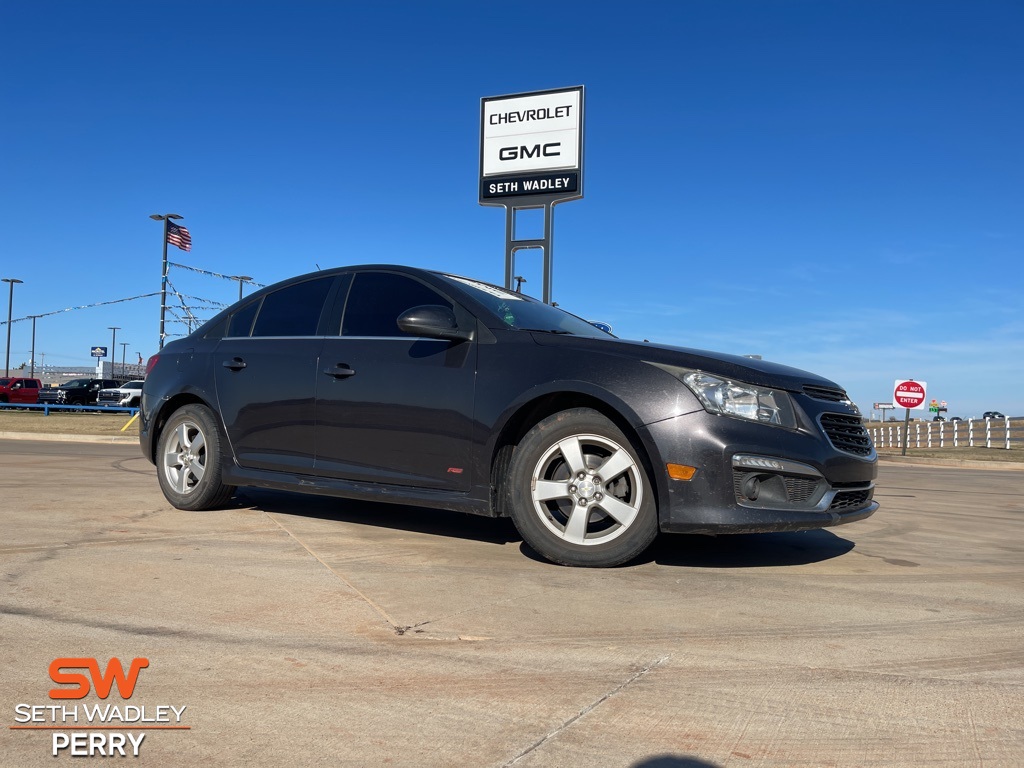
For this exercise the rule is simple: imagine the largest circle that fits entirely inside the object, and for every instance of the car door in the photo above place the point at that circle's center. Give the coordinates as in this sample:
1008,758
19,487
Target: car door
265,372
31,391
22,393
393,408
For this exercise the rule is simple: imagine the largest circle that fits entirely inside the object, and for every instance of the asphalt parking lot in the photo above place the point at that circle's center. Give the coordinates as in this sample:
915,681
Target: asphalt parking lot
309,631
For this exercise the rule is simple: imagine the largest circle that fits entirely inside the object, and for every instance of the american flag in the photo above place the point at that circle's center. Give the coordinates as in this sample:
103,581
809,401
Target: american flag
179,236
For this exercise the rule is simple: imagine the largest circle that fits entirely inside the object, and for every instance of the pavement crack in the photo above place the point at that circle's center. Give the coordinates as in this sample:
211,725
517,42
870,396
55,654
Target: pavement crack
399,628
587,710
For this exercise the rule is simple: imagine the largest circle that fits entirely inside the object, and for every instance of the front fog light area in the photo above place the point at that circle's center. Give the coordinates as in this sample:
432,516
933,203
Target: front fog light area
746,401
766,482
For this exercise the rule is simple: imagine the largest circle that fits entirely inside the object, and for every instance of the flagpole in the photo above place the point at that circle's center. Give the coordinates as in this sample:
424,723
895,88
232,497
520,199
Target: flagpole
163,272
163,287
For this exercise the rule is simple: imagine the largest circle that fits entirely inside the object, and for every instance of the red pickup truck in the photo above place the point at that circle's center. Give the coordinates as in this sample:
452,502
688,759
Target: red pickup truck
19,390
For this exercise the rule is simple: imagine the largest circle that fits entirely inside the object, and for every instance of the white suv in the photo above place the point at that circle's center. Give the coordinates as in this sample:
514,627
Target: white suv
125,396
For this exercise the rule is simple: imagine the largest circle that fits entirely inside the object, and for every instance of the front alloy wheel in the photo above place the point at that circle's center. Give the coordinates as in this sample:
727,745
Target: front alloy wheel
586,490
579,492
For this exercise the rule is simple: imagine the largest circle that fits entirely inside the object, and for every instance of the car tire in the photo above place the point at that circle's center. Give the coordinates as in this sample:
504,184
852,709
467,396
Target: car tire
565,508
189,461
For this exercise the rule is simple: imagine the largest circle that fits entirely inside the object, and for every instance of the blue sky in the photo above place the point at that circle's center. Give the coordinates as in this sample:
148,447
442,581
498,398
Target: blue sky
835,185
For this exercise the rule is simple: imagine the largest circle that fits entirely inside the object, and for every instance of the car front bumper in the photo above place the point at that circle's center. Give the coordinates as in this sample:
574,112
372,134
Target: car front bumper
753,477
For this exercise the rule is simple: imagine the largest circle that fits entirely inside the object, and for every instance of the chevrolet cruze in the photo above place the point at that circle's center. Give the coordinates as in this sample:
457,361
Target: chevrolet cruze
388,383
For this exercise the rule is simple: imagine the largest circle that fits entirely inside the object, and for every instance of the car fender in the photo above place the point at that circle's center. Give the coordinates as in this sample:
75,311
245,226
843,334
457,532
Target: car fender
538,402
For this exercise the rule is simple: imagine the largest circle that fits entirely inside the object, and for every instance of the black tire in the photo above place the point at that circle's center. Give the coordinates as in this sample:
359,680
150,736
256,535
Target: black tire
189,462
556,473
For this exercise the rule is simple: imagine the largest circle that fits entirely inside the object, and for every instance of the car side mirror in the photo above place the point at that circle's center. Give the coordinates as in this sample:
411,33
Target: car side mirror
433,322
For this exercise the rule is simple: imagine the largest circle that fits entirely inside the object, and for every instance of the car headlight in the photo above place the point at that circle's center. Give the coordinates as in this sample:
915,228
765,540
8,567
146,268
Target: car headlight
745,401
737,398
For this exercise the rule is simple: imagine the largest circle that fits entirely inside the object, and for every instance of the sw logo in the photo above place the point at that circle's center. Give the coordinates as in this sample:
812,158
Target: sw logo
102,682
82,729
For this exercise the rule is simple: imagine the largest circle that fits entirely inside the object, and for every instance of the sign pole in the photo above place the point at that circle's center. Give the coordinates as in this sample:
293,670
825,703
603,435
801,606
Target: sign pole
909,394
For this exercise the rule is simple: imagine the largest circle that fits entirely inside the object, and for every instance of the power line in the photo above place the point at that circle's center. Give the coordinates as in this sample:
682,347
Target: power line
83,306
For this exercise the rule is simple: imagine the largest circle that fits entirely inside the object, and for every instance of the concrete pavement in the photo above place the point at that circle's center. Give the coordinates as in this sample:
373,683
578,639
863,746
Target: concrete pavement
307,631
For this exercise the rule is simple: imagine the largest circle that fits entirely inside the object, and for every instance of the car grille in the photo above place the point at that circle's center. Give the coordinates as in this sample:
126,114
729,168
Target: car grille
850,500
109,397
846,433
829,395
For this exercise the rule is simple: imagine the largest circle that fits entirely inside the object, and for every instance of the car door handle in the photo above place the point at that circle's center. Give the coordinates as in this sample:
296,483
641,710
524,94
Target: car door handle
340,371
234,364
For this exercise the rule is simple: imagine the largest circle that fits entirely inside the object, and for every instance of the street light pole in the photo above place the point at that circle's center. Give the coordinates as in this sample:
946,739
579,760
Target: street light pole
32,361
10,306
163,271
124,346
241,279
113,347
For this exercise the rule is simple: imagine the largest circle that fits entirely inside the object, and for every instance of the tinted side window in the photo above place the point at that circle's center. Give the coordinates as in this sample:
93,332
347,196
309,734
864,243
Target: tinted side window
378,298
217,330
241,321
294,310
31,384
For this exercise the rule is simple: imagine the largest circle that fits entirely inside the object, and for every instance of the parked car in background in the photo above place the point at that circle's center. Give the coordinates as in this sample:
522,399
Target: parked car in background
15,389
955,418
125,396
76,392
993,415
387,383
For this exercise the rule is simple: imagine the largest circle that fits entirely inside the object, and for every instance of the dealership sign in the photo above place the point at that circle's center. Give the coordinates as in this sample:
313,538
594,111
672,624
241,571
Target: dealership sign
531,144
908,393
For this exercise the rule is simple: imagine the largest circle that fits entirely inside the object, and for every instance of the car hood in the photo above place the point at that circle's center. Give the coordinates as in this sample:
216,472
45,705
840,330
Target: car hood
746,369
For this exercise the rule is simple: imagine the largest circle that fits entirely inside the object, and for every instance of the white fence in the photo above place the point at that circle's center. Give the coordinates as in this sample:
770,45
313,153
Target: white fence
987,433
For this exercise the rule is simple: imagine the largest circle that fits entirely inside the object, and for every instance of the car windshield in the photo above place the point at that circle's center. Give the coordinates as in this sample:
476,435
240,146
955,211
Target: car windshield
523,313
132,385
4,382
75,383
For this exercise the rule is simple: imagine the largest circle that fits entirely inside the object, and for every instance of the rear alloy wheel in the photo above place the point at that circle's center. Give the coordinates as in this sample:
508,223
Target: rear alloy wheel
578,492
189,460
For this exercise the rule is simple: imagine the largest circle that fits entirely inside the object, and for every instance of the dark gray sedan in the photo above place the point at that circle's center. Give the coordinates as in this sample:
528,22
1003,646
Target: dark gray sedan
390,383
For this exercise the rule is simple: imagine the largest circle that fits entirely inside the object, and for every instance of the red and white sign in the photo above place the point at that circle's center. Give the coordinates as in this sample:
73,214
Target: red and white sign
908,393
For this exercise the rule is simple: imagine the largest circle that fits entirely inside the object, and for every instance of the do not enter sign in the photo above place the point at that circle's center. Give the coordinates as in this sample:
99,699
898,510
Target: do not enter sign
909,394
